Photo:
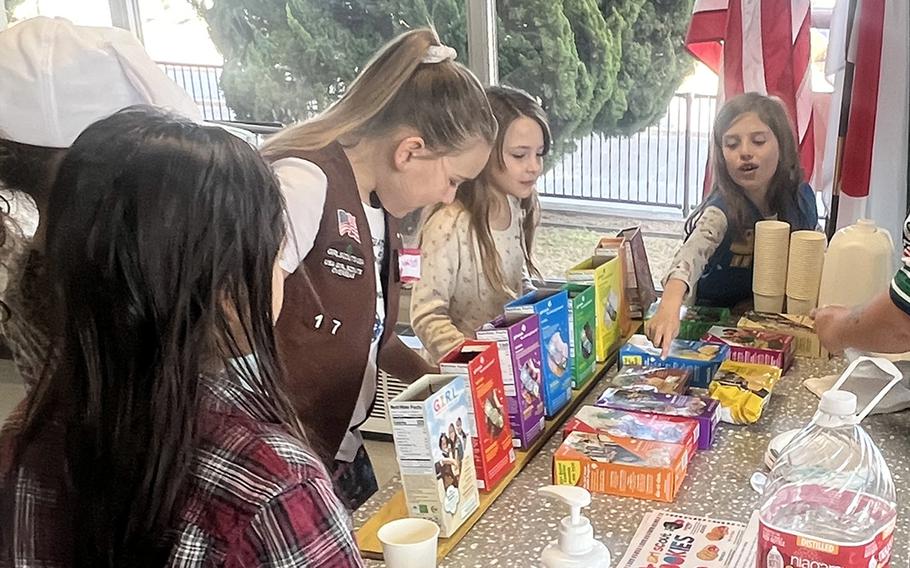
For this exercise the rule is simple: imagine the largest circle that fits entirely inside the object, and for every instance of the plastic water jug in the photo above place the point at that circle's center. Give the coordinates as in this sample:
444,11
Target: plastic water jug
858,265
830,499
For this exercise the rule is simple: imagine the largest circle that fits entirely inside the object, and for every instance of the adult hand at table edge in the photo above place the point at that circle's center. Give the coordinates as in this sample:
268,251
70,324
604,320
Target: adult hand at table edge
830,325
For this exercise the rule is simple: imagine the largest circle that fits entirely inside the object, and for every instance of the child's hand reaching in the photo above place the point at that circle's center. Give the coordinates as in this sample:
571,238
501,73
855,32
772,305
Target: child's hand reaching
663,328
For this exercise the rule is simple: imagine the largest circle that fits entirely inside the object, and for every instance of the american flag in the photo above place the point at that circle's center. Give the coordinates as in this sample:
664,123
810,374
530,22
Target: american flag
347,225
760,46
873,181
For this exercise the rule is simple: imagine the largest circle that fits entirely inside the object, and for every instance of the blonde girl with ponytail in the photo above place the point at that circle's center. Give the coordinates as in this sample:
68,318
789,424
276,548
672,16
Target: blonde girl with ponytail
477,252
412,127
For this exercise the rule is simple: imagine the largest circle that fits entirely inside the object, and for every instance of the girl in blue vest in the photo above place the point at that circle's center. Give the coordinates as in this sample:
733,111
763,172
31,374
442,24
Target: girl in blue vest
757,176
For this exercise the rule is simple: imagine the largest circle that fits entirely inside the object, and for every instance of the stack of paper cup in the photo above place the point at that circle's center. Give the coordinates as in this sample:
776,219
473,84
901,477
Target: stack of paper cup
804,270
769,279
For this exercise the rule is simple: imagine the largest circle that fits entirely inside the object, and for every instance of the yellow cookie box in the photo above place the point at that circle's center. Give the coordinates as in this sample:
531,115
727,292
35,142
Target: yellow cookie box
606,275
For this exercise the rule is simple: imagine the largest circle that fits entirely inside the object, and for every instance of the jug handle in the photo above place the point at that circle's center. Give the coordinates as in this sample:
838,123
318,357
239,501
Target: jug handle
883,364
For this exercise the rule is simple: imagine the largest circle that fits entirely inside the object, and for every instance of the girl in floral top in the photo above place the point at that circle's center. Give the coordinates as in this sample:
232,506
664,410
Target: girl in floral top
476,252
757,176
162,437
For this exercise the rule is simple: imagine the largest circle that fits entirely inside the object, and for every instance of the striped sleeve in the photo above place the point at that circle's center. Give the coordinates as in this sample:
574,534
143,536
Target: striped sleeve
304,526
900,285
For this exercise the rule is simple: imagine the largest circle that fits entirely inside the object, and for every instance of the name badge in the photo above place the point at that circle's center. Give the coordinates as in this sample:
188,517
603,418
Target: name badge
409,265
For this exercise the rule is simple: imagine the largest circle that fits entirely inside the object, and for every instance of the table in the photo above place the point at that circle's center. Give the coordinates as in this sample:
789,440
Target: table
519,524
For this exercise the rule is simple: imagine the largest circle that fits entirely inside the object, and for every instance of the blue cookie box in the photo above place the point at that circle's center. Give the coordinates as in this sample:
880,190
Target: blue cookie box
552,307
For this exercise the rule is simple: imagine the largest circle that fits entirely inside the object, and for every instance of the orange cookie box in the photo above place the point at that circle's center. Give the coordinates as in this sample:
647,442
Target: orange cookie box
627,467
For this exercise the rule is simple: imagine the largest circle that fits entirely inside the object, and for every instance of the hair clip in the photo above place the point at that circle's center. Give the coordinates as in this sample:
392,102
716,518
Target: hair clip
439,53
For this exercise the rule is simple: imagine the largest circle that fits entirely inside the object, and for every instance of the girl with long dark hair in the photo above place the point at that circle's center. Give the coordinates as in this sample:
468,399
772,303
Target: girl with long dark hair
162,437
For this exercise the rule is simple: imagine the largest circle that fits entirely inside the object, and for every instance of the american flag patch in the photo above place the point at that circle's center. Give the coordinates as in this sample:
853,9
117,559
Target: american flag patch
347,225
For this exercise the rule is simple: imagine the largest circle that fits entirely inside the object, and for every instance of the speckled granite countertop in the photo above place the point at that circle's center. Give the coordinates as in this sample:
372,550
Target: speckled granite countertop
519,524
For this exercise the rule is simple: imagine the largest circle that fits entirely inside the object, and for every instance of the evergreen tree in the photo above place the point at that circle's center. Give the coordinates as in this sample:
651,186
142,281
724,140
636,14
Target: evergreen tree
10,6
608,66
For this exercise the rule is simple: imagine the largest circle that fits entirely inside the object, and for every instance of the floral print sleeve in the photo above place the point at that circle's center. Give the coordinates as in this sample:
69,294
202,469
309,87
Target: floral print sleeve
693,255
431,296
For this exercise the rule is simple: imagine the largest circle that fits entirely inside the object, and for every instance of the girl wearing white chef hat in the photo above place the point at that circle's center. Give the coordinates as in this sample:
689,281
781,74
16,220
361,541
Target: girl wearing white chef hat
57,78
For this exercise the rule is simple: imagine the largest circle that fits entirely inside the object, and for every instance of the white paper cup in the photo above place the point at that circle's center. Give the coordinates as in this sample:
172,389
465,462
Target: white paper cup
771,304
800,307
409,543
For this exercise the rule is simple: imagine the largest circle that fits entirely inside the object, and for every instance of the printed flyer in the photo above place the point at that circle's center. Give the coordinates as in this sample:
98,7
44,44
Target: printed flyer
666,539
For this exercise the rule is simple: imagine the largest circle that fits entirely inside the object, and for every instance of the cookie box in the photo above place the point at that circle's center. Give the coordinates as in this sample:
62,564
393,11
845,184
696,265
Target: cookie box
488,420
701,358
625,424
435,457
518,340
802,328
743,390
754,346
627,467
701,409
552,309
656,379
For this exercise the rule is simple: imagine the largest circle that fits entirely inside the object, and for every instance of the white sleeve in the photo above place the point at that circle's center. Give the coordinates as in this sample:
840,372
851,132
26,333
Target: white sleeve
304,186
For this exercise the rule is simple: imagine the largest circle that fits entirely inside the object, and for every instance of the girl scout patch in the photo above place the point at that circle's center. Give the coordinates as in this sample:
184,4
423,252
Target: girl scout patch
344,260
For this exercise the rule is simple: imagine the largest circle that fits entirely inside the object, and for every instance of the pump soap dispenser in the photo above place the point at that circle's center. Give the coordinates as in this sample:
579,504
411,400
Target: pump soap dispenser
576,547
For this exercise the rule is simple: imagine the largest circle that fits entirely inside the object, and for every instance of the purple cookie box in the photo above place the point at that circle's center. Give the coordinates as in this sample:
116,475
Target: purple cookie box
518,340
702,409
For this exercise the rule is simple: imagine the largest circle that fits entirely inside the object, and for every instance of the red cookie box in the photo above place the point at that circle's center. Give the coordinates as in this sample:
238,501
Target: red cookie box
627,467
754,346
488,419
624,424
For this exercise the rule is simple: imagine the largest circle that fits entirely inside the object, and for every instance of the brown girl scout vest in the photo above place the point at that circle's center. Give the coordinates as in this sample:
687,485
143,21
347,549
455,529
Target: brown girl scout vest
325,328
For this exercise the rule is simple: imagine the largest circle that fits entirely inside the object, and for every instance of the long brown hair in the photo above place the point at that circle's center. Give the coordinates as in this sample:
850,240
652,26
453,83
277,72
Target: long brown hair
476,196
784,185
149,293
443,101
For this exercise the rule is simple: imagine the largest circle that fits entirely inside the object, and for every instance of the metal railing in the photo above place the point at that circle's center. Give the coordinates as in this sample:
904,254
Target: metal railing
203,83
662,166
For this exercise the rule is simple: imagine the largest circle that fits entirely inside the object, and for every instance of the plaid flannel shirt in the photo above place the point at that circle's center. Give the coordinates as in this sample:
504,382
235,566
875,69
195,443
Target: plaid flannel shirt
256,496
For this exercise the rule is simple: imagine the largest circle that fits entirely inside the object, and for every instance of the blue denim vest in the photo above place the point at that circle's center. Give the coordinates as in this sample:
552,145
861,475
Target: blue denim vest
727,278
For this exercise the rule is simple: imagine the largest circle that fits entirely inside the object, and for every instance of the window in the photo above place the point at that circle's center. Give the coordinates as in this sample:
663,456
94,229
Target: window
83,12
